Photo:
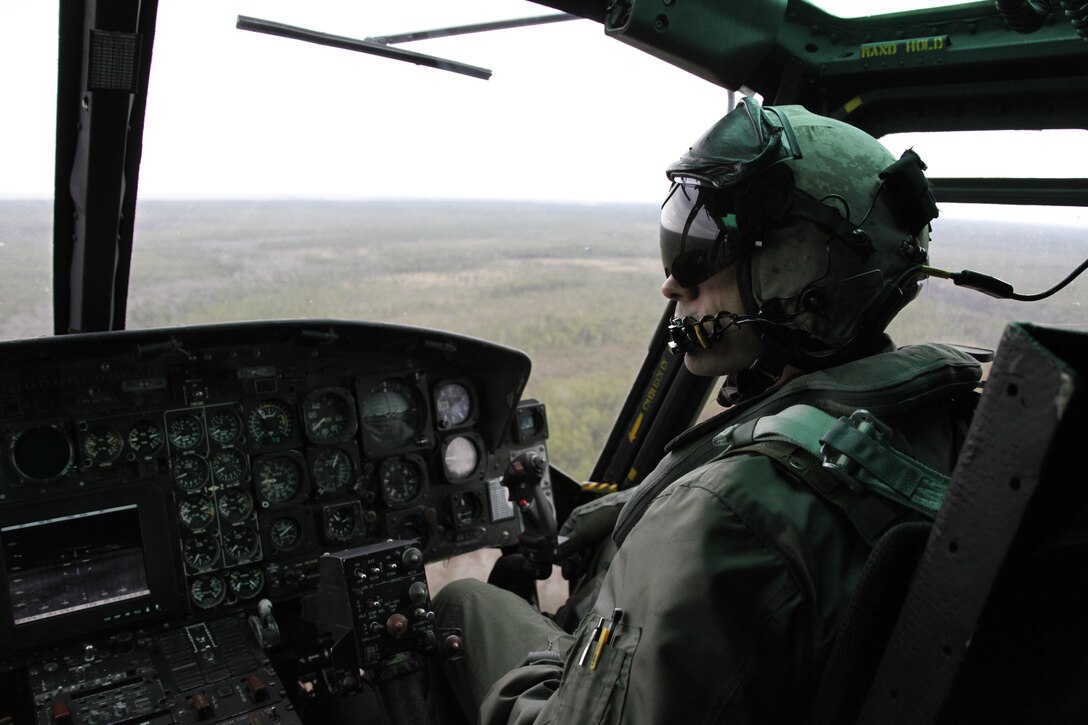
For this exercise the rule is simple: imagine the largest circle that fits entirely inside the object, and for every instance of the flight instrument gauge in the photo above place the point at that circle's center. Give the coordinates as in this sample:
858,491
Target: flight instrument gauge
269,423
224,427
42,453
102,444
333,470
240,543
245,582
201,552
190,472
452,404
279,478
228,465
207,591
401,480
185,432
235,505
145,438
285,533
392,413
343,522
460,458
329,415
196,512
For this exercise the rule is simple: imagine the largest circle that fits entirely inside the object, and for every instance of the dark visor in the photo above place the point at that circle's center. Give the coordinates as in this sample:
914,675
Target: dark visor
698,237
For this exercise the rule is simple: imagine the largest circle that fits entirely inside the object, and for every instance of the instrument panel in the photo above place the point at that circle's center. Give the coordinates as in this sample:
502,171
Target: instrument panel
153,474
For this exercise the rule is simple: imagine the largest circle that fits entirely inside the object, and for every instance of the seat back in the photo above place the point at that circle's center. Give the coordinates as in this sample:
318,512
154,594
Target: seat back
991,628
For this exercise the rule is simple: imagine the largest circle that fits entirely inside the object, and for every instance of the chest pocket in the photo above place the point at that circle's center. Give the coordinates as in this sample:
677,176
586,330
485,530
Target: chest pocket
597,695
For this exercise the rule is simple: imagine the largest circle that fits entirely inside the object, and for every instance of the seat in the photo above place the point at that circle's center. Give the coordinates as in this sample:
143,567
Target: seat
990,627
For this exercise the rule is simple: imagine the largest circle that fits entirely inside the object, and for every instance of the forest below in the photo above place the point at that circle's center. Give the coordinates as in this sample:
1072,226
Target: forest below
575,286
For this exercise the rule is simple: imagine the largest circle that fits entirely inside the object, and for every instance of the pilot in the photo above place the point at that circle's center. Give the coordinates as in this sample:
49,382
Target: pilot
715,588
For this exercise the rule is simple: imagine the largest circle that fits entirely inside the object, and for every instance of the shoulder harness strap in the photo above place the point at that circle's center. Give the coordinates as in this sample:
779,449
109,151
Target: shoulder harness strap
847,460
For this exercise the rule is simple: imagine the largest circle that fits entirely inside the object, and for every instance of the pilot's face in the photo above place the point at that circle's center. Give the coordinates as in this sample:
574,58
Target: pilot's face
739,346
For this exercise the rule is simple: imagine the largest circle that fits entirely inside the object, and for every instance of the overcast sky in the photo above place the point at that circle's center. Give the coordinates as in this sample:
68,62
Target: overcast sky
569,113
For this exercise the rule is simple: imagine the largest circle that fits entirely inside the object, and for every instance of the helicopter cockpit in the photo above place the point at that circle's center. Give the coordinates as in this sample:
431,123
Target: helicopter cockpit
244,433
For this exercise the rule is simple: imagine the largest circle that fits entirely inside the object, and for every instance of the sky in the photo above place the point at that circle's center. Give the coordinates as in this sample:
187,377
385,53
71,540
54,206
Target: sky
568,115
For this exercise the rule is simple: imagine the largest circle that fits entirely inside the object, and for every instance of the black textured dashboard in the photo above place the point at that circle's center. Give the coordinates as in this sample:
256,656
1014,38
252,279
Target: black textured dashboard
170,474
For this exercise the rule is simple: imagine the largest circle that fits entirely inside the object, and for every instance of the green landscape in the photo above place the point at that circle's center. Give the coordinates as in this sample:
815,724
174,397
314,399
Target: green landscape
575,286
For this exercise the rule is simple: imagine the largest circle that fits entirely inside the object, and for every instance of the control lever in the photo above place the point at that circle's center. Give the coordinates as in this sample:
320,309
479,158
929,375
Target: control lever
540,542
264,625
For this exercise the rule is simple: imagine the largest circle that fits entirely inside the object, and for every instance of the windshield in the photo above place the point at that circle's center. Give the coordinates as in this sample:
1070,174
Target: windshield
283,179
873,8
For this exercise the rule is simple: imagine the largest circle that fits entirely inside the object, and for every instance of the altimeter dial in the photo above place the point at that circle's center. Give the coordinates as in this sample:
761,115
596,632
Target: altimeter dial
333,470
329,415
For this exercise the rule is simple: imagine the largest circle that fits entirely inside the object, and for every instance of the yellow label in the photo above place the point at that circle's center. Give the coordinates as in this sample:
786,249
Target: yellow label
899,48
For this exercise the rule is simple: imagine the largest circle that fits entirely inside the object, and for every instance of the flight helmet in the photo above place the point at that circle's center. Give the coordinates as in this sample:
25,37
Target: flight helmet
853,232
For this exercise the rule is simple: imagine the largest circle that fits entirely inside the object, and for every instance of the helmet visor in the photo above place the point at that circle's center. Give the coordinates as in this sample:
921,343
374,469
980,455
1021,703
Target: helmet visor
699,236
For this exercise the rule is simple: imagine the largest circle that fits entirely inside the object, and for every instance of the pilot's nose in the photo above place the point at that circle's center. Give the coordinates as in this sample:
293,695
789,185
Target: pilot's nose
673,290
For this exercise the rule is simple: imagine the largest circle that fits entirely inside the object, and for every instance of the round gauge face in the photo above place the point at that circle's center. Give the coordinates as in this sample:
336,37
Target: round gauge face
333,470
401,480
235,505
185,432
452,404
285,533
460,458
246,582
224,427
278,479
269,423
341,523
145,438
42,454
207,591
329,416
103,444
196,512
240,543
228,466
190,472
392,413
201,551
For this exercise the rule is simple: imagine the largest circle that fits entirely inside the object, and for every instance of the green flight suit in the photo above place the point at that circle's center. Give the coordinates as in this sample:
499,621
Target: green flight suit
732,580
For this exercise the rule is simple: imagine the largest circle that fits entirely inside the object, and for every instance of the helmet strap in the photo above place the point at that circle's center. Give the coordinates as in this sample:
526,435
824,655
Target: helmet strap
760,376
